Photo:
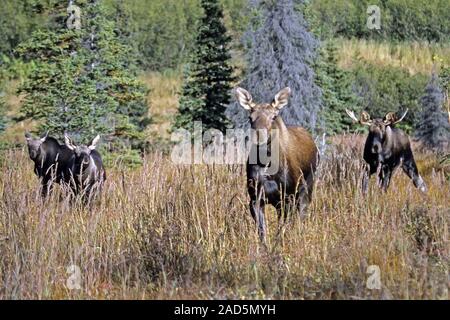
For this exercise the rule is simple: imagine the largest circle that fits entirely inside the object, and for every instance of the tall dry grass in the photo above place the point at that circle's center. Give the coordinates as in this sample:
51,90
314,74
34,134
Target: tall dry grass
414,57
168,231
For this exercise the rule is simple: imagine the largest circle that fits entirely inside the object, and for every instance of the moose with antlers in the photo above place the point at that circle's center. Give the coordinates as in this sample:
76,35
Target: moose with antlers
386,148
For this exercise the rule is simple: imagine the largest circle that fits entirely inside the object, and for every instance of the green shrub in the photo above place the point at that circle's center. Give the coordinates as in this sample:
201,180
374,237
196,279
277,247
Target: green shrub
400,19
388,89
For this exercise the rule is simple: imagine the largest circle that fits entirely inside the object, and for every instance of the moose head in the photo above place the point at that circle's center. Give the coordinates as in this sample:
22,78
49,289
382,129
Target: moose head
262,115
380,129
34,145
82,152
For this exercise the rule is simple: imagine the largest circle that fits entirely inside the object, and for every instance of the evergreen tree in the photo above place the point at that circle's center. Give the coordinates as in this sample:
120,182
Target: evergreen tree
433,128
280,53
83,82
207,84
336,85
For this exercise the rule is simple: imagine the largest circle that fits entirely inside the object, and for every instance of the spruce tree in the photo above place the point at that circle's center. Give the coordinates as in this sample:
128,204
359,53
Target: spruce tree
208,78
84,81
336,85
433,128
280,53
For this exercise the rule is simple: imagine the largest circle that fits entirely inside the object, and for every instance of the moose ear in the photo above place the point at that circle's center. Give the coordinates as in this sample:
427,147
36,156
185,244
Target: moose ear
365,118
68,142
245,98
94,142
390,118
44,137
281,98
27,136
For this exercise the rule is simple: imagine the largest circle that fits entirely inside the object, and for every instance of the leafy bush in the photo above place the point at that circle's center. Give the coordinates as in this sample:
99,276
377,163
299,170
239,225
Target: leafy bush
400,19
17,19
163,31
385,89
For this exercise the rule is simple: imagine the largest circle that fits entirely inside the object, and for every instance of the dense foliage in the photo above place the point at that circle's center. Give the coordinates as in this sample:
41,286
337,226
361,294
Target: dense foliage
400,19
83,81
162,31
387,89
207,86
280,53
17,19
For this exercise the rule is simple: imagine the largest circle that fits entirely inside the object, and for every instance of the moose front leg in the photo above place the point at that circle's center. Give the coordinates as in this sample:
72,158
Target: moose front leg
47,186
257,211
304,197
368,171
385,177
257,204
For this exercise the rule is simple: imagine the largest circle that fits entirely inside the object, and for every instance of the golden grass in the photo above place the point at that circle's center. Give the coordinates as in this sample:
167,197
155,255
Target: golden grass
415,57
162,99
167,231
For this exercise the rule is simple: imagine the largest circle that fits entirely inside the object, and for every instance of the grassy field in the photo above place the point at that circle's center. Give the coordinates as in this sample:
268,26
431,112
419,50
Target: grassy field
414,57
168,231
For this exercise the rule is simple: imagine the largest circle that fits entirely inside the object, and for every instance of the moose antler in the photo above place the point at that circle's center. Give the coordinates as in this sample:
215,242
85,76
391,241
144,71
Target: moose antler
351,114
365,117
391,118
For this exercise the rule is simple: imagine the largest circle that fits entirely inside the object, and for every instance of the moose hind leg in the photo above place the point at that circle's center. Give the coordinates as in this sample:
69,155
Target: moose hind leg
410,168
304,197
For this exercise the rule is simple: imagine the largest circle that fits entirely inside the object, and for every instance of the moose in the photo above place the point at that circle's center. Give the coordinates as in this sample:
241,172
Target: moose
52,161
385,149
88,173
293,160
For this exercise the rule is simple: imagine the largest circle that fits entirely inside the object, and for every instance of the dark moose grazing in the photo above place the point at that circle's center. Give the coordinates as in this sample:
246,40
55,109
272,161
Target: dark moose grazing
292,158
385,149
88,171
52,161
